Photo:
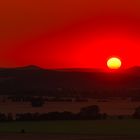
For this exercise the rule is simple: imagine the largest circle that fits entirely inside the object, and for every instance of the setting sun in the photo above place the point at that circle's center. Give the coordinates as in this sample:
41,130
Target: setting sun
114,63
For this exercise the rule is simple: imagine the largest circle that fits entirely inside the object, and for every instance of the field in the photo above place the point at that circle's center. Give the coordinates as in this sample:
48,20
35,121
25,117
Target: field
96,128
72,130
127,129
63,137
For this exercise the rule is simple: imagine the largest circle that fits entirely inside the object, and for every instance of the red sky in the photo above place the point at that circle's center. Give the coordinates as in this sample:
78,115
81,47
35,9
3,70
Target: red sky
69,33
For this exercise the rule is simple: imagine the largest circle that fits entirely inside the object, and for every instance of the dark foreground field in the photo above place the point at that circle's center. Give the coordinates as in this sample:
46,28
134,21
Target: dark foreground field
96,128
63,137
72,130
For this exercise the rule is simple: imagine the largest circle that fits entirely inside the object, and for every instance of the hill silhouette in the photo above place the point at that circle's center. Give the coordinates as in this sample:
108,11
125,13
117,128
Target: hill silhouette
33,80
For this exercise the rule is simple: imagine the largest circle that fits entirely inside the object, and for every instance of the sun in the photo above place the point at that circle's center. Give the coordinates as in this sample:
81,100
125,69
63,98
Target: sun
114,63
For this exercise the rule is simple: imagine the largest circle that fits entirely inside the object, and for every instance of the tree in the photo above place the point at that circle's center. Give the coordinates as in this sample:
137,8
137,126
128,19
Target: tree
136,114
90,112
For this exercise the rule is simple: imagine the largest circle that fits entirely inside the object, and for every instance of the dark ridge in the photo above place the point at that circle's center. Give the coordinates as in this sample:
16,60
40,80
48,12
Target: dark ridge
79,70
35,80
31,67
135,70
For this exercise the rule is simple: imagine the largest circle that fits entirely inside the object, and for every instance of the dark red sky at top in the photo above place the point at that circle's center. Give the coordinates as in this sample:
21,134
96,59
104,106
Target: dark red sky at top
69,33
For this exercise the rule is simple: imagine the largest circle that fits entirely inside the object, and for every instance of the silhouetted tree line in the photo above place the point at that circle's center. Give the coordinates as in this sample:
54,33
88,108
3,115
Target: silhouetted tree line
6,117
86,113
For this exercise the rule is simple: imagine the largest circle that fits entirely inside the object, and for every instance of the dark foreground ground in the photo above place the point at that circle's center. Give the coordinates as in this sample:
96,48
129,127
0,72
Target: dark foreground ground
63,137
71,130
128,127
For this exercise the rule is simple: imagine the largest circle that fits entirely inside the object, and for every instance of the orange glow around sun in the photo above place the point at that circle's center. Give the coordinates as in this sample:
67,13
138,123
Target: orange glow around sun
114,63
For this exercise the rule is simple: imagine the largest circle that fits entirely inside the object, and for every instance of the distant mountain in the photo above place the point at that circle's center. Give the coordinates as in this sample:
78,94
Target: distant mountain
32,80
134,70
30,67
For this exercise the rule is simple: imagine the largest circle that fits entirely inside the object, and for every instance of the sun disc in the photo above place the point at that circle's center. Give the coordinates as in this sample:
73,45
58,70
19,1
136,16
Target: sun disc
114,63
